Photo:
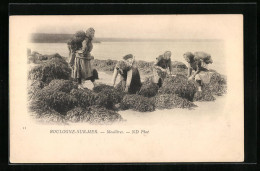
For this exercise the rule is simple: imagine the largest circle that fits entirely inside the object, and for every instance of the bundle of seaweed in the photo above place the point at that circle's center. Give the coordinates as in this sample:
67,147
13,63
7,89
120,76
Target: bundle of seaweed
62,85
50,117
55,96
46,99
138,103
121,86
179,71
55,68
75,42
99,88
204,95
169,101
177,64
34,87
78,114
101,115
85,98
217,85
108,96
179,85
134,88
149,88
93,115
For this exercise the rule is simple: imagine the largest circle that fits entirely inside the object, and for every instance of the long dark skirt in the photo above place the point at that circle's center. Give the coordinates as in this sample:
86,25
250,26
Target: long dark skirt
135,84
94,76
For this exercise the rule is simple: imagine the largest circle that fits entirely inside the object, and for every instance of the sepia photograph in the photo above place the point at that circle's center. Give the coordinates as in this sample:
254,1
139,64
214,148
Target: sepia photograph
126,88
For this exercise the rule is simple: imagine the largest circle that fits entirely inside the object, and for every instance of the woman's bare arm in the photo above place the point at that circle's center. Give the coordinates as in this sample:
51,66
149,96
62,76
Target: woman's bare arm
114,76
129,78
170,66
189,69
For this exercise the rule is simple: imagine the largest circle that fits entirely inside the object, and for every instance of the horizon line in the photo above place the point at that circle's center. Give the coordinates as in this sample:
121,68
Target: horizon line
137,38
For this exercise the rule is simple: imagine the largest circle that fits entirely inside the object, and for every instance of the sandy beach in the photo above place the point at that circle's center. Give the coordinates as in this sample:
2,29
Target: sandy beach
204,112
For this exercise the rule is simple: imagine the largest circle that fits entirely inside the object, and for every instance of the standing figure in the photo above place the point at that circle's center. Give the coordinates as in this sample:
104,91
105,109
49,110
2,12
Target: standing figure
130,80
195,63
162,63
82,69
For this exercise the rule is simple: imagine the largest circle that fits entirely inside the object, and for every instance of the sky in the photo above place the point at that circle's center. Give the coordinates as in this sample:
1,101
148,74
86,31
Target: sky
140,26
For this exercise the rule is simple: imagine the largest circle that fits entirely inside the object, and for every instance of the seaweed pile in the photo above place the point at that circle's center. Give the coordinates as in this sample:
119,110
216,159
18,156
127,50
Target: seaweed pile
53,68
177,64
93,115
204,96
137,103
34,87
108,95
55,97
179,85
169,101
217,85
149,88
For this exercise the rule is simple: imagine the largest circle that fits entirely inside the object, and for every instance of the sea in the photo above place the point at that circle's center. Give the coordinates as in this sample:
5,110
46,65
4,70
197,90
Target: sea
146,51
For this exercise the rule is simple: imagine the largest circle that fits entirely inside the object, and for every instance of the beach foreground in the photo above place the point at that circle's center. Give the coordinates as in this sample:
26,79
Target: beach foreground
170,116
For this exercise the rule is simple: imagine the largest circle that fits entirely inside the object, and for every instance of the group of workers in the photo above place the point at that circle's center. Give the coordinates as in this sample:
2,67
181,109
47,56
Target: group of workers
80,61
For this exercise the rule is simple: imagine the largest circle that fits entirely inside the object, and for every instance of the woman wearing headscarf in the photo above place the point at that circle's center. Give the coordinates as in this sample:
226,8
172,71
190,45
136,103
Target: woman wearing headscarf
196,63
130,80
162,63
82,67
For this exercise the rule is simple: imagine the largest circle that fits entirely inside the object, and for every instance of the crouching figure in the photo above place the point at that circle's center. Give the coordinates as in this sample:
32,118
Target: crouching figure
130,80
161,67
197,67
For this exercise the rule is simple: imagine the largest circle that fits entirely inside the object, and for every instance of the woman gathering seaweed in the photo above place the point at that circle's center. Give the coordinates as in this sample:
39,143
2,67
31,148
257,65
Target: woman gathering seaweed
166,84
81,45
197,67
130,80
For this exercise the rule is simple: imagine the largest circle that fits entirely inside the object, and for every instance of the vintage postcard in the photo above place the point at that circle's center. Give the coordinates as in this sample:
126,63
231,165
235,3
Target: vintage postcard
126,88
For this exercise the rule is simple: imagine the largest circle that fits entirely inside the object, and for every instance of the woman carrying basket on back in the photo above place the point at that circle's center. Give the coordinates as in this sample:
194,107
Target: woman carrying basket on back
81,57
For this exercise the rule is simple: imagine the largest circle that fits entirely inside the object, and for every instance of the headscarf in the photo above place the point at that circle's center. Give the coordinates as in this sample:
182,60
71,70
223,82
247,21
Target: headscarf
128,56
124,65
189,57
89,31
164,55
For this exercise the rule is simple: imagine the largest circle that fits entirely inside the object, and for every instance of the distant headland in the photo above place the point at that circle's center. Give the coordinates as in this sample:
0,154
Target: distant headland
63,38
